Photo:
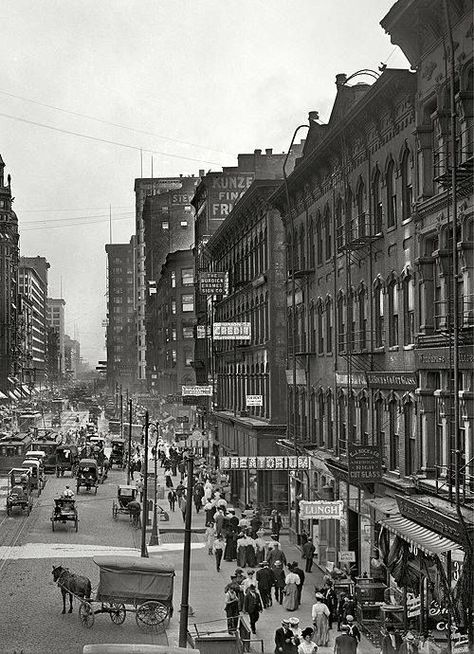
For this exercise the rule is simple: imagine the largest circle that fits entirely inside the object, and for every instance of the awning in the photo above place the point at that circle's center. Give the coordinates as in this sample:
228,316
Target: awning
426,540
385,505
12,395
3,396
169,419
25,389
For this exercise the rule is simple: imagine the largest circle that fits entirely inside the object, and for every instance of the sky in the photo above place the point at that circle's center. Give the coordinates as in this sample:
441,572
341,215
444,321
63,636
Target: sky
191,83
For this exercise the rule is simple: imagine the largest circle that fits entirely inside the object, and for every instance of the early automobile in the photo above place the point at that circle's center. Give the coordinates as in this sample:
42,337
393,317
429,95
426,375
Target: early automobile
64,511
117,455
87,475
37,476
125,495
67,460
19,491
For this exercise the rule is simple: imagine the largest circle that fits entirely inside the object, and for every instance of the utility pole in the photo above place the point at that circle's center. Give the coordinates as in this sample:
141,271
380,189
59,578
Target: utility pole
183,620
155,538
129,455
121,413
144,552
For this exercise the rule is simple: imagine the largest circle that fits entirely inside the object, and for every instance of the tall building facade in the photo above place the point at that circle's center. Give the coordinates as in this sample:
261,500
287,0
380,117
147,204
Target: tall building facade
72,357
56,325
33,285
148,187
9,312
121,315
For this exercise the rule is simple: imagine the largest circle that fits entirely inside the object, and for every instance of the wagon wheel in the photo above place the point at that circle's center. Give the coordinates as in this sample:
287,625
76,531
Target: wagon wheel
114,511
117,612
151,615
86,614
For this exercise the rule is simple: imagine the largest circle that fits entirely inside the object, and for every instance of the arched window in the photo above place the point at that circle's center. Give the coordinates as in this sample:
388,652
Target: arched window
379,313
391,195
328,324
320,308
311,261
361,215
410,438
377,200
321,409
319,240
393,308
362,301
328,233
408,310
407,184
302,245
339,224
341,324
329,422
312,325
394,434
364,421
341,410
379,425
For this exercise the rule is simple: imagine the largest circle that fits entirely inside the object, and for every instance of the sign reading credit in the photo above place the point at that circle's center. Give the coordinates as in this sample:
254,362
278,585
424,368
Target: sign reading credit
321,509
232,331
365,463
196,390
264,462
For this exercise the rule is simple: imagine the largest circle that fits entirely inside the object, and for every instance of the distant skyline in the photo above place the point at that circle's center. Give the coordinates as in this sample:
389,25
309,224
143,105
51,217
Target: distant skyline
202,81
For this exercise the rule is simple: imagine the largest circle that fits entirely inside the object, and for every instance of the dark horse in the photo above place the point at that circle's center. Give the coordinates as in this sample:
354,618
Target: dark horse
70,583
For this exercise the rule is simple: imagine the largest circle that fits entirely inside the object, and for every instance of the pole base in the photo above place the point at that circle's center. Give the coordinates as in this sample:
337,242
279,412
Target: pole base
154,540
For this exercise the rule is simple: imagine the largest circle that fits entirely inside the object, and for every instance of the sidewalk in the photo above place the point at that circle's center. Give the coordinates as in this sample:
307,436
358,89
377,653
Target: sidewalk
206,596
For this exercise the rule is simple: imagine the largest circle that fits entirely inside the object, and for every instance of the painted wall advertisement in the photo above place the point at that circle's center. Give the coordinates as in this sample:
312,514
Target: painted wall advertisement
365,463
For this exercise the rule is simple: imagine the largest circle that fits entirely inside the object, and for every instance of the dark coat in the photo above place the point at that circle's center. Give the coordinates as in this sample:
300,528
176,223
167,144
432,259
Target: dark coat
387,646
284,641
252,603
265,578
308,550
345,644
300,573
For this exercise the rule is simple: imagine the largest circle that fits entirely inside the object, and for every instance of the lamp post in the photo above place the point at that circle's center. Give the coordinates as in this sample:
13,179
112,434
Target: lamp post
183,620
129,453
144,553
155,537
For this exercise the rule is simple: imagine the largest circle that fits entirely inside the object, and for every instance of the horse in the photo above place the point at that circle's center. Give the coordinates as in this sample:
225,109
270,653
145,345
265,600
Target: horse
70,583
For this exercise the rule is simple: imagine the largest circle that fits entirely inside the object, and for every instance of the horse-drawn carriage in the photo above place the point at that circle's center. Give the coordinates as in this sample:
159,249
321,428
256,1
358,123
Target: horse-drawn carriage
117,455
87,475
135,585
125,495
67,460
19,491
64,511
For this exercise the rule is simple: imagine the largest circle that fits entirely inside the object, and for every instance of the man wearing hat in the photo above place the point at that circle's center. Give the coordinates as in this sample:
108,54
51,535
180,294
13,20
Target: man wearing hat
353,629
345,644
252,605
283,638
409,645
280,577
298,571
265,582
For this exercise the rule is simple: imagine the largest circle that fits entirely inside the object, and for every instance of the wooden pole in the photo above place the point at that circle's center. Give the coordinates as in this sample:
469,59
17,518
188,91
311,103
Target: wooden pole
144,552
183,619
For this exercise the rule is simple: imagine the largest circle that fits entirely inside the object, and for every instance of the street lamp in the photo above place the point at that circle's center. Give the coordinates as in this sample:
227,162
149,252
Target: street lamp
183,620
155,538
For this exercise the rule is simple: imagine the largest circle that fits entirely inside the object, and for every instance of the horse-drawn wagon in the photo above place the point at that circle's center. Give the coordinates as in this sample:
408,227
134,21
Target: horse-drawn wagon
67,460
64,511
19,491
125,495
117,455
135,585
87,475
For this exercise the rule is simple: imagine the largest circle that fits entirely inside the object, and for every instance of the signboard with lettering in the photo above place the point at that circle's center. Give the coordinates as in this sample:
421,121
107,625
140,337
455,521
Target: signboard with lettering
254,400
213,283
441,357
224,191
347,556
232,331
196,390
365,463
413,605
405,380
321,510
265,463
444,522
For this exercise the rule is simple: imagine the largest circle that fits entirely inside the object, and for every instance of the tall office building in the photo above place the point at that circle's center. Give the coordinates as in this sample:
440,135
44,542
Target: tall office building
33,285
55,317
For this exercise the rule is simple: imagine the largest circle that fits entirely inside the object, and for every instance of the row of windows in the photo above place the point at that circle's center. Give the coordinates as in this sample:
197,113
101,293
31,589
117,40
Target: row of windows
187,277
245,260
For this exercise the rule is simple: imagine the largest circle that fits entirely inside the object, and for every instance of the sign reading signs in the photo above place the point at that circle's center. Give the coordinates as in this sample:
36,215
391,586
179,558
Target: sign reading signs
365,463
321,510
213,283
264,462
232,331
196,390
254,400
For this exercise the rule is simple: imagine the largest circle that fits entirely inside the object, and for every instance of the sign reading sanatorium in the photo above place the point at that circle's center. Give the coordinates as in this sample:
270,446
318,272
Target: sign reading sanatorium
365,463
264,462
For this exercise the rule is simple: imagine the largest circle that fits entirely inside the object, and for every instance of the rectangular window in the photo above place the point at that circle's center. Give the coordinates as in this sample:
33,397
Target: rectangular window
393,314
173,307
183,224
187,276
188,332
173,279
394,436
409,311
187,303
165,225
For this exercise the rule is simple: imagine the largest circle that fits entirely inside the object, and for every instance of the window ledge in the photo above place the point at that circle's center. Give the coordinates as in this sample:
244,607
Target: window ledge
392,228
408,220
407,348
379,349
394,348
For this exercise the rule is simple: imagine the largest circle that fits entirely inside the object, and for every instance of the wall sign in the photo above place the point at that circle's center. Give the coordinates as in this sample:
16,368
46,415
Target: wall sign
389,380
347,556
232,331
321,509
365,463
196,390
213,283
254,400
265,462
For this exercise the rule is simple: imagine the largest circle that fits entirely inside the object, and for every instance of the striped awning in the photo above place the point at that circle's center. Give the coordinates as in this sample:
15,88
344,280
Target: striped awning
25,389
424,539
3,396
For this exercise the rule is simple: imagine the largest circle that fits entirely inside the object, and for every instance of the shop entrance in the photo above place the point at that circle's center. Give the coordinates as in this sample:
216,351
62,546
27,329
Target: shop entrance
354,538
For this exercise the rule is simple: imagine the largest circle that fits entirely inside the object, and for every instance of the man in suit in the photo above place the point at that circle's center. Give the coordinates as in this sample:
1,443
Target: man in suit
283,638
308,554
392,640
298,571
253,606
345,644
265,582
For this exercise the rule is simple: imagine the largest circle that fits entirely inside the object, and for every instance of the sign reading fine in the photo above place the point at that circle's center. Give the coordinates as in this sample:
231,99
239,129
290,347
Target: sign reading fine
212,283
232,331
321,509
264,462
196,390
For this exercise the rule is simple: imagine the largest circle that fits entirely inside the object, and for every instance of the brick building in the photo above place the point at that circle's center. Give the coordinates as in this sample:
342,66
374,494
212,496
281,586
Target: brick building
55,315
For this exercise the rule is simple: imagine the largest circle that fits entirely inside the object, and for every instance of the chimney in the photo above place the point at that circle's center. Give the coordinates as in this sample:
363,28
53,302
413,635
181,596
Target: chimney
201,172
313,116
268,151
257,152
341,79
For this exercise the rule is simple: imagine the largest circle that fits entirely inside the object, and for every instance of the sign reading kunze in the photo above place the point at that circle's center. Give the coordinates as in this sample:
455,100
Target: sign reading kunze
232,331
196,390
321,509
254,400
365,463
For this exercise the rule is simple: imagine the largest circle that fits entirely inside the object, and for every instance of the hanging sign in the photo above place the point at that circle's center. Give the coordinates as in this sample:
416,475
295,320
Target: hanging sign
347,556
254,400
232,331
265,463
365,463
212,283
321,510
196,390
413,605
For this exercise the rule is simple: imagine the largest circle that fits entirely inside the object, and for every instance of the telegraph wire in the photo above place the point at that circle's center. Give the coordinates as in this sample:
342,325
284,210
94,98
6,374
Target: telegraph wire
108,122
72,218
79,224
109,142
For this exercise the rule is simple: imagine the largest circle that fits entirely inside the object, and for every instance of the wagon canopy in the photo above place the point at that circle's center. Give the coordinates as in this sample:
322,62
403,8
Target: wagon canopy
88,463
129,578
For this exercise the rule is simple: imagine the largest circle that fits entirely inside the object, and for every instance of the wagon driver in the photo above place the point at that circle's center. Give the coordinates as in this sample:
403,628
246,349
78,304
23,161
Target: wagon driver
68,493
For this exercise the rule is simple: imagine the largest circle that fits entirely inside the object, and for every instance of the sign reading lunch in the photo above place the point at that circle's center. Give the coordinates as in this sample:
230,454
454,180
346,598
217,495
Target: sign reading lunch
264,462
196,390
321,509
232,331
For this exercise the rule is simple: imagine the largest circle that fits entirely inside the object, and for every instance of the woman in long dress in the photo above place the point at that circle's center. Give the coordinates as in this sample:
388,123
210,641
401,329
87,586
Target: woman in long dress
290,598
320,614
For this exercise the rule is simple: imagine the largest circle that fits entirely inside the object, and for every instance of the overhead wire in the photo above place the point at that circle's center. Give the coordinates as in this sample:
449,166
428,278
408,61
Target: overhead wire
73,218
78,224
108,122
108,141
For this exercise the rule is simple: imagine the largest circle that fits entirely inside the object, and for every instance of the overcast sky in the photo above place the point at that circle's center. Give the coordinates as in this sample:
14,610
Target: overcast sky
201,80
